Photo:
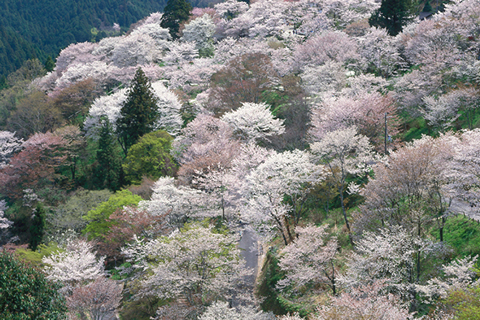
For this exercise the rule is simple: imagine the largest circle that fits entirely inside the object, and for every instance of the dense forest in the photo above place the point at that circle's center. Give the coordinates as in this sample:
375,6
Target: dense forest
38,29
311,159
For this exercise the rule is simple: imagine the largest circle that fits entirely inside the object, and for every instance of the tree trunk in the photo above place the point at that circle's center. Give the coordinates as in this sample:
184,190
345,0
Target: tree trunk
340,189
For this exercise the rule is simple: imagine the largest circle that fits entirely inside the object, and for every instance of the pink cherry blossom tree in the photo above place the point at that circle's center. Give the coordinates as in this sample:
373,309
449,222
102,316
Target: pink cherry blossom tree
310,259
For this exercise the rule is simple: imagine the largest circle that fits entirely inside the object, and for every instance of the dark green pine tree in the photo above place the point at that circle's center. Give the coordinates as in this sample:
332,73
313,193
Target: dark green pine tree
37,228
109,171
393,15
175,12
139,112
49,64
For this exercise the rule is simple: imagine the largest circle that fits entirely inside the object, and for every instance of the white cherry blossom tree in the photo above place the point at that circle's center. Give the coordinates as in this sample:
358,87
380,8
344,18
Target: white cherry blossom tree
253,122
344,152
74,264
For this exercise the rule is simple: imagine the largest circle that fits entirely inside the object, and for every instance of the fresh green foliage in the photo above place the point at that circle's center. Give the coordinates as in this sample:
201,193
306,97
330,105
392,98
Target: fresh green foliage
176,12
138,113
35,257
26,294
69,214
466,303
98,223
150,157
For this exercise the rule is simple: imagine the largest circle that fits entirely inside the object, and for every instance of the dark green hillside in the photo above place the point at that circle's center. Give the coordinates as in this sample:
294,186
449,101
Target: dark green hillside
39,28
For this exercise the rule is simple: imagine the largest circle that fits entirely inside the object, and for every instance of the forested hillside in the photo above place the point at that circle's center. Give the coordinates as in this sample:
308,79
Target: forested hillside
269,160
37,29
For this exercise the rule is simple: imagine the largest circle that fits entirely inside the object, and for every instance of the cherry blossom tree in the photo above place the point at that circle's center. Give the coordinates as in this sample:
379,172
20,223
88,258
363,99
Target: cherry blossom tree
464,169
253,122
200,31
364,302
457,275
196,263
365,111
410,189
380,52
4,222
392,254
221,311
179,52
442,111
329,77
221,190
191,76
230,9
74,264
108,106
176,201
205,143
343,152
333,45
152,28
33,166
9,144
263,18
310,260
288,174
98,299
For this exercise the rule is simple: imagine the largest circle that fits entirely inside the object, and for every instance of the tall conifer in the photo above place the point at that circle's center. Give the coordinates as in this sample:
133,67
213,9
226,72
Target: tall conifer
109,173
139,112
393,15
37,228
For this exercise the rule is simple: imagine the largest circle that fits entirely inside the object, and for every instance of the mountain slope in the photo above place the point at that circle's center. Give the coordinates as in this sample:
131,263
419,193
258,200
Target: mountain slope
38,28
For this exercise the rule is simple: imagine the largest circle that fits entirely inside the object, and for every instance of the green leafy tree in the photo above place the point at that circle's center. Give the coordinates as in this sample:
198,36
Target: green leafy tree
98,218
139,112
69,215
175,13
150,157
393,15
26,294
37,228
109,170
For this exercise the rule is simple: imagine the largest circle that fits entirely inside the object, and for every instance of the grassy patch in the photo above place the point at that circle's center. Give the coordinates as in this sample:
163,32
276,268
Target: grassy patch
462,234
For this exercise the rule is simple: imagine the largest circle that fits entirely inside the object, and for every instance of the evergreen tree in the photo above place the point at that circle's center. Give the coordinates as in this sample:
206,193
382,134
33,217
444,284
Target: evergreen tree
37,228
139,112
176,12
109,171
3,82
393,15
49,64
26,294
